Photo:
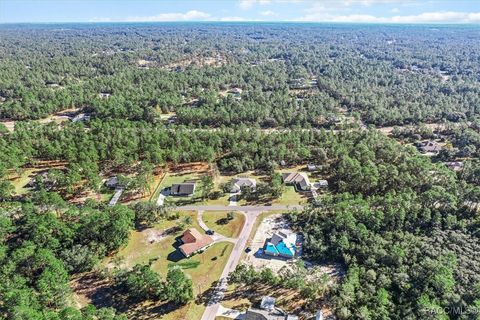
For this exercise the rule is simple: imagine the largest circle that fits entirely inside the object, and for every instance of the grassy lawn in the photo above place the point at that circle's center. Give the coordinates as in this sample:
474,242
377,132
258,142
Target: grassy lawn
19,182
290,196
140,250
171,178
212,262
204,268
231,228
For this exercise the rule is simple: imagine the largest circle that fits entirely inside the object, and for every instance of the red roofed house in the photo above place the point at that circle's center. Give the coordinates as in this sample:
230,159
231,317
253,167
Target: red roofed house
193,241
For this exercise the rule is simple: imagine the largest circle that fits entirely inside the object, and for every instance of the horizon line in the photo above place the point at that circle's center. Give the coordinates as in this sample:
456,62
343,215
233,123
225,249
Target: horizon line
243,21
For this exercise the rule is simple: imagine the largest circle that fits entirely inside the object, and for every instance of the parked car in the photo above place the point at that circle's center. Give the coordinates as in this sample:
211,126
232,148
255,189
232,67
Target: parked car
210,232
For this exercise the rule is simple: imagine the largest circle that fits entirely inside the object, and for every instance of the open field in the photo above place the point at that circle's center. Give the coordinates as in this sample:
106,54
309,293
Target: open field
217,221
182,173
290,196
158,246
19,182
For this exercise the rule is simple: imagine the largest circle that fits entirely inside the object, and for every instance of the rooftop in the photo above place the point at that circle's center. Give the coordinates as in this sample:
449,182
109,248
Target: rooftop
193,241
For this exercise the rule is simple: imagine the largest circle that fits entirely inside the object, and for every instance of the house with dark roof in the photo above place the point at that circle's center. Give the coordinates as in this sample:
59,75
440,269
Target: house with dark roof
193,241
242,182
298,179
183,189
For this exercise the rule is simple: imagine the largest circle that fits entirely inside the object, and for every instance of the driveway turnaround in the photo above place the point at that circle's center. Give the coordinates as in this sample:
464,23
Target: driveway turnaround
252,213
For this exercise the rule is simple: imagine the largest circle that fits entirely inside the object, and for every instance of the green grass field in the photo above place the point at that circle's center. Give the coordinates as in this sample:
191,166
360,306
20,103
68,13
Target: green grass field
231,228
204,268
171,178
20,182
290,196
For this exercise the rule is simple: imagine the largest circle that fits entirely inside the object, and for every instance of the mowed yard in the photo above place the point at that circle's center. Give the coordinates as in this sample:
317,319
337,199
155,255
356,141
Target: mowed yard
158,246
218,221
179,174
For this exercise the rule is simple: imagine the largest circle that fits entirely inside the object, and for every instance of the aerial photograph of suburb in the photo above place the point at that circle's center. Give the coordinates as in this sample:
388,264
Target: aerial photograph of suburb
239,159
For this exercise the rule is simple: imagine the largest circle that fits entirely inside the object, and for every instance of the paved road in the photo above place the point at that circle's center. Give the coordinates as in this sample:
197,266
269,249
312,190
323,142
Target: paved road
240,208
214,303
251,214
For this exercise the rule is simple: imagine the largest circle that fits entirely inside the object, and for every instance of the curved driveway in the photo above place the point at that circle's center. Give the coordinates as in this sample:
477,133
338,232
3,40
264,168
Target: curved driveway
251,214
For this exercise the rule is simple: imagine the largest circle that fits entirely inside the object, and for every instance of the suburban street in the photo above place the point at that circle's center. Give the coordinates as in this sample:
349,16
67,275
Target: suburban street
251,213
214,303
239,208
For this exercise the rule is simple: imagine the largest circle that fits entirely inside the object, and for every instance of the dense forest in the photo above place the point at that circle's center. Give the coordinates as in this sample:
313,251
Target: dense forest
388,74
246,97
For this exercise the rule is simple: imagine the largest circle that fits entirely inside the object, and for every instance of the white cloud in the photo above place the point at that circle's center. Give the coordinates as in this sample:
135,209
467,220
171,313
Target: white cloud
427,17
247,4
176,16
395,10
268,13
366,2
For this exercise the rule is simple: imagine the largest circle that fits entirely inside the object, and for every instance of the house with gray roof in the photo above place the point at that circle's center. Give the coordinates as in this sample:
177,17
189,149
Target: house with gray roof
242,182
183,189
298,179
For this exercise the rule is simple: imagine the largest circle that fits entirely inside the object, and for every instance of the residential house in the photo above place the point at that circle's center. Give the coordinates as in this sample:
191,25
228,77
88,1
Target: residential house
321,184
311,167
104,95
112,182
242,182
283,244
183,189
81,117
268,311
454,165
259,314
430,147
268,303
298,179
193,241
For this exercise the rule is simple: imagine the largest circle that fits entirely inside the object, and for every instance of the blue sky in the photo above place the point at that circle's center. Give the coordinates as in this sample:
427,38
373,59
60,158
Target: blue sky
368,11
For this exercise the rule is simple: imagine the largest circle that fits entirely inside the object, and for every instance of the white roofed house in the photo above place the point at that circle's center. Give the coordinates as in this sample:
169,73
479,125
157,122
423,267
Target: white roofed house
298,179
242,182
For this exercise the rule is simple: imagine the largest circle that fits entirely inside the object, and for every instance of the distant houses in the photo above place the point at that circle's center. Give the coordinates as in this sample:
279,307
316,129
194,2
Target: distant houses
81,117
298,179
104,95
242,182
183,189
321,184
283,244
193,241
268,311
454,165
